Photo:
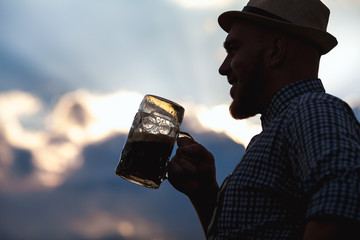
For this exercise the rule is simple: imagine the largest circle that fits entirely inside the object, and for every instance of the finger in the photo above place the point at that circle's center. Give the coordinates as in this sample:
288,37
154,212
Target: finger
185,134
184,141
194,150
186,155
174,168
182,166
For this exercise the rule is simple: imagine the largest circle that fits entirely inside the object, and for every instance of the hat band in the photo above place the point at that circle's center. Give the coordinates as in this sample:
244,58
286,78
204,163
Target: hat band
258,11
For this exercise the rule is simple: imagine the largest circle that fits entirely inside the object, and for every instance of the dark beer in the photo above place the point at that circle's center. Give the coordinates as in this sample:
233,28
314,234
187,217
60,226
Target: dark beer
144,158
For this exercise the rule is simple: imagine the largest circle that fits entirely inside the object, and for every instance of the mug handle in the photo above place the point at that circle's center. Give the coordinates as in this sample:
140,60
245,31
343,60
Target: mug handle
180,135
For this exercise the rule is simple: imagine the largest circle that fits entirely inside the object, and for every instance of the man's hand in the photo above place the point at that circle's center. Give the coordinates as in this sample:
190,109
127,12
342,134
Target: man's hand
192,172
192,169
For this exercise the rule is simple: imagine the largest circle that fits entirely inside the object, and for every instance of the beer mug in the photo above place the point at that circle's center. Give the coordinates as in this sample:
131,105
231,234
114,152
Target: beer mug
150,141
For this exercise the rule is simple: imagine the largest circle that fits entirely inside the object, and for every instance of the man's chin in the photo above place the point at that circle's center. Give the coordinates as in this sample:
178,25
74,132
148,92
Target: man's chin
240,112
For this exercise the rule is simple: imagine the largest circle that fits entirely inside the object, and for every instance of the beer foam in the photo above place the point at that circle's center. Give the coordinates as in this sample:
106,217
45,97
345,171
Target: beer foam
148,137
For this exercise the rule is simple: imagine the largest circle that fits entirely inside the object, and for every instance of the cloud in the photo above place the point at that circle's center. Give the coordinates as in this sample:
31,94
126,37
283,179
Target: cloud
84,117
15,105
66,157
218,119
81,118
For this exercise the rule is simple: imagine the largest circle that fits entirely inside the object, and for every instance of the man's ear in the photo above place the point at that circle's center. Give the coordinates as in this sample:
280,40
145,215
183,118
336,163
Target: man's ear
278,50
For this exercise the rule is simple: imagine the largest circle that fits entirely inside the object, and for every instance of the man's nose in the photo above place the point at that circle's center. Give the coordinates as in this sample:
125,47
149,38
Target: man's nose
225,67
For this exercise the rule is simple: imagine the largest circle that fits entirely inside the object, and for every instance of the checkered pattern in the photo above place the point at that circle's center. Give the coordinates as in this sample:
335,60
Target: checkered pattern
305,164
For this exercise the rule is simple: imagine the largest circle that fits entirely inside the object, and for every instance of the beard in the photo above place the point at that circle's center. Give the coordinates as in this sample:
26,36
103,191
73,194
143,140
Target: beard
247,101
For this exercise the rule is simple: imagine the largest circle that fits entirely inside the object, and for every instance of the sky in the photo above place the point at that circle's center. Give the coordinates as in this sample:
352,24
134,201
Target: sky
72,76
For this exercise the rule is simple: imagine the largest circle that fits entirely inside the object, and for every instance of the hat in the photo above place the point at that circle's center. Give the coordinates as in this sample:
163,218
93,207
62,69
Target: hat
306,19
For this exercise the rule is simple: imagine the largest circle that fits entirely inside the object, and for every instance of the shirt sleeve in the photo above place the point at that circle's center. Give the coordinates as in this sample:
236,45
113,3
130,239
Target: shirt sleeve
324,138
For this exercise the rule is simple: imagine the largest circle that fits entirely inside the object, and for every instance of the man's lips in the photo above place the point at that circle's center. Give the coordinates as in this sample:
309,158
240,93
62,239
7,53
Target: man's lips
231,81
233,90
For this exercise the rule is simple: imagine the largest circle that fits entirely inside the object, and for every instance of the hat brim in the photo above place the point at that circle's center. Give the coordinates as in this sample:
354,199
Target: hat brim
323,40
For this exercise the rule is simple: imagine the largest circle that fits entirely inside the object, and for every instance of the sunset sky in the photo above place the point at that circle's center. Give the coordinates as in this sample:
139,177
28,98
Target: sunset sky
73,73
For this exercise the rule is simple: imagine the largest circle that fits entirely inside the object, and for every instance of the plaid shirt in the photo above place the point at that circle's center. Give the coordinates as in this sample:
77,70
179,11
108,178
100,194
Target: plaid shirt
304,165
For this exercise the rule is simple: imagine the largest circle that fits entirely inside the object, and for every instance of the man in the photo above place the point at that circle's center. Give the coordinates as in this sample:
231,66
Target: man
300,177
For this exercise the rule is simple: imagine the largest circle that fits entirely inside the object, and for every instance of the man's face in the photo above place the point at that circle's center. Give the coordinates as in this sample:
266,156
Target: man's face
243,67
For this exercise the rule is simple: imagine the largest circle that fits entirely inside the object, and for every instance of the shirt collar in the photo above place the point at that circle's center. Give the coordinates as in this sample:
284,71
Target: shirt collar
282,99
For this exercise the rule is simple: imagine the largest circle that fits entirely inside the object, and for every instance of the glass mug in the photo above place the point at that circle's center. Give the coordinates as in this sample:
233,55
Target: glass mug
150,141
